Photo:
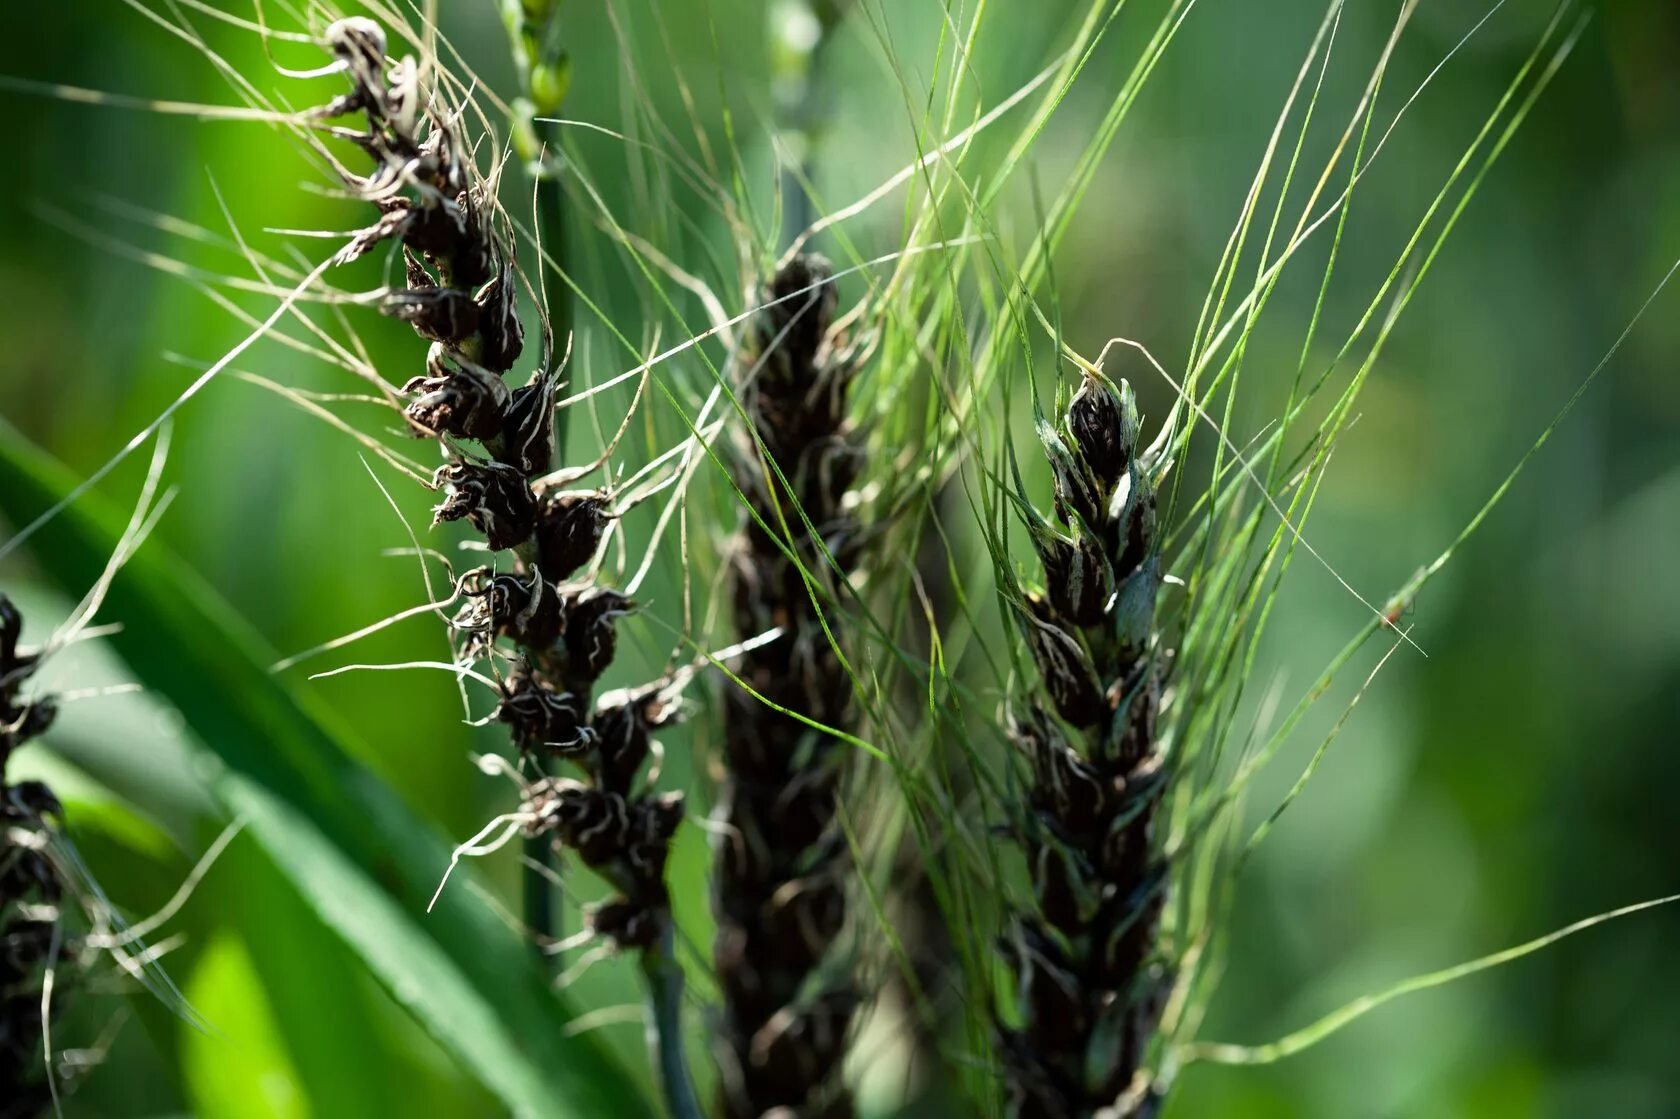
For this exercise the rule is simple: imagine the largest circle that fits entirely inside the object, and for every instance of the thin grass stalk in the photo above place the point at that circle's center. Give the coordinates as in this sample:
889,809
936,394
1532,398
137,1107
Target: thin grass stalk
1090,983
788,999
545,625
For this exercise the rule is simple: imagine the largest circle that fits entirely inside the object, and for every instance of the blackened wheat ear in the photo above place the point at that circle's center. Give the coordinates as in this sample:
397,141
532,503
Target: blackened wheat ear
32,892
1090,986
788,1003
543,624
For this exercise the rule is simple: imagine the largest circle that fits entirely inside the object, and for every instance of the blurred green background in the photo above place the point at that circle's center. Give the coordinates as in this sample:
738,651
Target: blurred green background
1521,776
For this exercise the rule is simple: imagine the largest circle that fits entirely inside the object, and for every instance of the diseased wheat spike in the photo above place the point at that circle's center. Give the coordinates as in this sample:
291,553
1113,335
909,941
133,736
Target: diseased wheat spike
781,888
544,625
1089,983
32,892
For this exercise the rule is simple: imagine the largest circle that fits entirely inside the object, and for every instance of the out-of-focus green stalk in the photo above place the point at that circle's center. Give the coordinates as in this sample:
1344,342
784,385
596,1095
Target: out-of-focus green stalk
543,71
799,30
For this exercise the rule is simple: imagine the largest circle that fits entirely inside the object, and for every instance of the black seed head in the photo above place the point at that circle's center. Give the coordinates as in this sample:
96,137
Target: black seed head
627,924
471,260
540,719
658,817
495,498
13,667
1138,525
431,230
1104,430
569,529
622,745
457,398
1066,788
801,303
1077,577
446,315
593,822
522,608
653,821
29,721
1078,500
27,944
20,720
38,799
528,427
1065,667
1049,985
414,271
360,44
501,335
591,635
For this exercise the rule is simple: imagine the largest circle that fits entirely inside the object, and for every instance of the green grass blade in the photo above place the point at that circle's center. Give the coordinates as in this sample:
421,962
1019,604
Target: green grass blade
356,853
1309,1036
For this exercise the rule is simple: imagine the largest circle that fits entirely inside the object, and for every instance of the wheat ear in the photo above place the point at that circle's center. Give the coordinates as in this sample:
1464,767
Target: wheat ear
788,1003
1089,984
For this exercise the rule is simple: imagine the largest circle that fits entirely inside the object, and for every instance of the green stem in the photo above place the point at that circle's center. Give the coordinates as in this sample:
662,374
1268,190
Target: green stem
538,891
543,75
551,211
664,1029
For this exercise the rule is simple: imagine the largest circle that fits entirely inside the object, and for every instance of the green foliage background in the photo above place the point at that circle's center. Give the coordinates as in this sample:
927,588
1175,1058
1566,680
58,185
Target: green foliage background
1520,776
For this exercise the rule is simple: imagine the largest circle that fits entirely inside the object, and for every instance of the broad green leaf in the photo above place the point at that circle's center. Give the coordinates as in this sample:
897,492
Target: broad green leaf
356,853
242,1070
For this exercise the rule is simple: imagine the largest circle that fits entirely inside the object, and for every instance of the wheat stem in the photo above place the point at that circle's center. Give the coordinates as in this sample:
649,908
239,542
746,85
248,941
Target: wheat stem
1090,987
664,1029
